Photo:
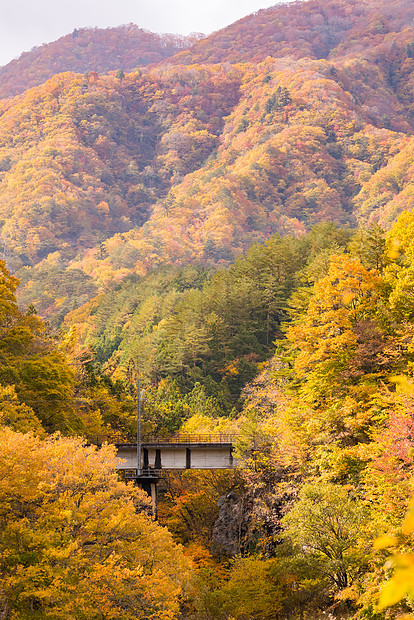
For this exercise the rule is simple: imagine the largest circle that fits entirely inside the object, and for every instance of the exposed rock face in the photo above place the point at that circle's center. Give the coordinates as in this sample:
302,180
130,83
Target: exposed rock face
248,521
231,525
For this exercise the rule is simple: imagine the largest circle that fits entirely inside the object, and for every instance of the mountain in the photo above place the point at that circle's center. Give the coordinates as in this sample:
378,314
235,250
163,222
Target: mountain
106,176
312,29
84,157
216,229
89,49
307,141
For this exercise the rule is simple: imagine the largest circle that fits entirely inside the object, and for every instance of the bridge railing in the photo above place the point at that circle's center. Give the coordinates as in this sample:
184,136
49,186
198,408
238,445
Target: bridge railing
148,473
187,438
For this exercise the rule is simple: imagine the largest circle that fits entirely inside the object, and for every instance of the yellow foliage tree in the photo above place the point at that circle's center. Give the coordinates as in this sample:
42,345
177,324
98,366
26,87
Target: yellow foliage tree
401,584
341,315
76,542
16,415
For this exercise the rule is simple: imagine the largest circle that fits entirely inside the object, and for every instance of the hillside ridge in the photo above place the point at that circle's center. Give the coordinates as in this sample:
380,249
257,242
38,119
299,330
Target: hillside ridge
89,49
103,176
310,28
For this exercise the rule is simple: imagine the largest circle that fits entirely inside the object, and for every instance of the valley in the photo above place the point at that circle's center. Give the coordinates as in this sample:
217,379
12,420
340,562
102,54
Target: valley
227,219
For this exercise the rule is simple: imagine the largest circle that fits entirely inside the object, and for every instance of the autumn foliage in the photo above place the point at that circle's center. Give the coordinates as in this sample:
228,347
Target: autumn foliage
233,224
74,539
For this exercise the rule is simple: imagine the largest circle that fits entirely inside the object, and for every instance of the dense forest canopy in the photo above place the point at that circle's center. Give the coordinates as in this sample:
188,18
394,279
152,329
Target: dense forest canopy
89,49
231,221
197,163
314,29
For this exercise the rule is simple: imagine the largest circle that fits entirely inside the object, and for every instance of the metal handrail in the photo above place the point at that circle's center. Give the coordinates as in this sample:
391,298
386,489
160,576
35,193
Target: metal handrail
156,439
147,472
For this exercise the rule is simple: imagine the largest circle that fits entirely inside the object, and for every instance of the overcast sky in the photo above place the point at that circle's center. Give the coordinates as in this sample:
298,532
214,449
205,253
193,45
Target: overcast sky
26,23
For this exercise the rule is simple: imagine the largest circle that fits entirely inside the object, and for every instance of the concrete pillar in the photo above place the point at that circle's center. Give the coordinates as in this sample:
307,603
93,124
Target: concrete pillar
157,459
149,485
154,499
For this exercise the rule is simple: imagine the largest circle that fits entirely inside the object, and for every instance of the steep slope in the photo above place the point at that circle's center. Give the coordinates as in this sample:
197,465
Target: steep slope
298,148
312,29
173,164
84,157
184,168
87,49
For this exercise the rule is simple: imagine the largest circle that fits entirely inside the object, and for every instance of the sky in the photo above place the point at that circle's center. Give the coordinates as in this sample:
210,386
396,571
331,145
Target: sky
28,23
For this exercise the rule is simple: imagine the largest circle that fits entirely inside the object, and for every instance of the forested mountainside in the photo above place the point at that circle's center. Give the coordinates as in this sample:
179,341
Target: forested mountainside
324,435
197,163
235,229
314,29
84,157
210,158
89,49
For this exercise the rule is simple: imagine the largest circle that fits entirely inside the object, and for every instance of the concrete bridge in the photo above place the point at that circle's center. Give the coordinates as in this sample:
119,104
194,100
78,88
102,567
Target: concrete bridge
174,452
178,452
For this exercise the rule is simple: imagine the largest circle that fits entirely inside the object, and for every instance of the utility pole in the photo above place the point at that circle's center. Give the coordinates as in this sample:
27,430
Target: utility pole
147,479
139,399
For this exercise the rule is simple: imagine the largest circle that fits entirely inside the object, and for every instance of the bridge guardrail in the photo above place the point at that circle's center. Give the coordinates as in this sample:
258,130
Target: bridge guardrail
157,439
149,473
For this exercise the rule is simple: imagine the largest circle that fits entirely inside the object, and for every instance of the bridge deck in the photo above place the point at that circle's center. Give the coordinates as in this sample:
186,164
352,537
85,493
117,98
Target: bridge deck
179,452
216,438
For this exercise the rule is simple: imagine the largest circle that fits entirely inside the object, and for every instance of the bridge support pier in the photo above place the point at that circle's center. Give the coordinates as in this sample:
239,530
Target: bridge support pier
147,481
